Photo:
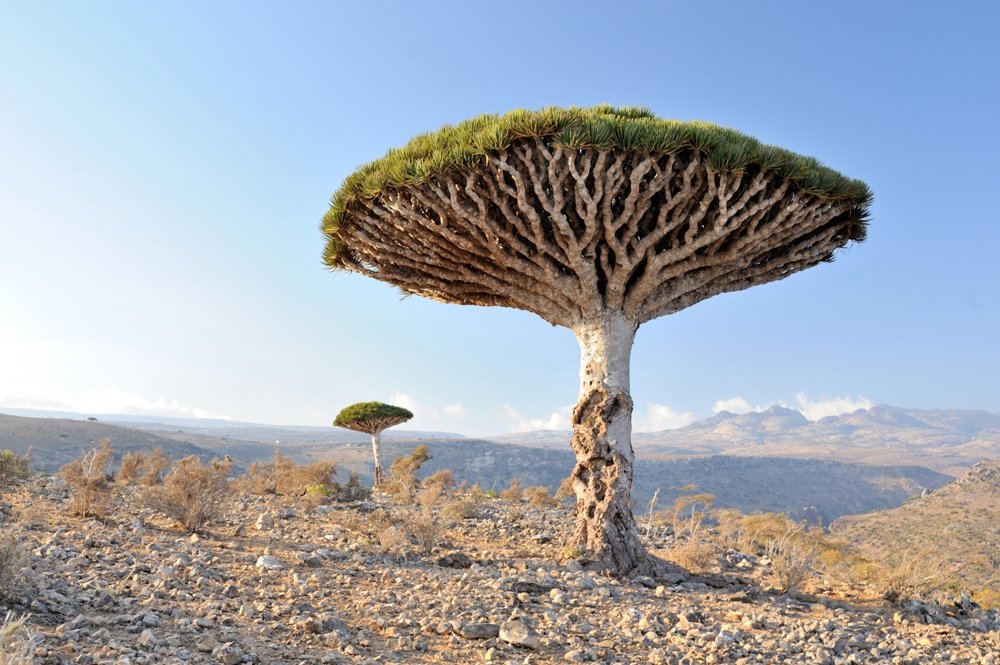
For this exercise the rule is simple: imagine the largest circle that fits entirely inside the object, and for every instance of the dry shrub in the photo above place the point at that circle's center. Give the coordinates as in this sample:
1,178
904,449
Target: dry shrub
286,477
192,493
687,517
539,497
35,513
479,493
144,468
793,559
87,481
444,479
129,468
908,574
696,556
13,559
13,467
752,533
426,530
17,646
514,491
392,539
566,490
429,497
402,480
461,507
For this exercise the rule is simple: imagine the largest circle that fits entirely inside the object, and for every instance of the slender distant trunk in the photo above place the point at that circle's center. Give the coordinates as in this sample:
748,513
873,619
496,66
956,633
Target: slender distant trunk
377,452
602,440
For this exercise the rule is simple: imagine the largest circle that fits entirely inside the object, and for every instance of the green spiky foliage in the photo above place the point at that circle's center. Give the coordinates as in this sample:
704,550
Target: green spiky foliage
364,415
466,145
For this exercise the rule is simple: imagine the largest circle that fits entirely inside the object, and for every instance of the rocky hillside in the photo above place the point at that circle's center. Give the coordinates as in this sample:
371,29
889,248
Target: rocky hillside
819,491
283,584
815,490
954,531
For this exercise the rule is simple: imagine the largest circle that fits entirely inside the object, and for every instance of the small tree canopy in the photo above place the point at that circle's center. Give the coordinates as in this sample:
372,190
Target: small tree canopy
371,417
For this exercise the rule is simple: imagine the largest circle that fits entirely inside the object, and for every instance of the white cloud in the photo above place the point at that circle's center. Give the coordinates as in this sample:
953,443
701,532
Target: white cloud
660,417
455,411
835,406
113,400
556,420
733,405
428,414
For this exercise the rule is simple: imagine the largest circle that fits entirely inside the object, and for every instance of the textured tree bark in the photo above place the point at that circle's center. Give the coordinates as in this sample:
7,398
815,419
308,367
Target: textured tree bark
377,452
602,440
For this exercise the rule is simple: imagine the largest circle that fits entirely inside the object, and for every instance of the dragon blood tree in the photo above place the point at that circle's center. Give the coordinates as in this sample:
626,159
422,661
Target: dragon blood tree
599,220
372,418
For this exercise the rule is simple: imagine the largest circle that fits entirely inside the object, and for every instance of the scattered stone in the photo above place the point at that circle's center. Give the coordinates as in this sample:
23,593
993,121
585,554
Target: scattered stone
455,560
478,631
269,562
518,633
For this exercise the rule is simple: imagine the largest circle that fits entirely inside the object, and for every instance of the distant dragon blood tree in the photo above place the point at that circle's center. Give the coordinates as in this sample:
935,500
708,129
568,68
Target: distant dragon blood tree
372,418
599,220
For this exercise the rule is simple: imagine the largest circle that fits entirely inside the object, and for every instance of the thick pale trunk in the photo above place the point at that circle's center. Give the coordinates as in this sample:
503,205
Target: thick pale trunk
377,452
602,440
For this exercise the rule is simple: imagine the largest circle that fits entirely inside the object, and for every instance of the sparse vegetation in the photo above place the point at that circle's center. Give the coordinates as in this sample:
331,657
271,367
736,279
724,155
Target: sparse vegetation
514,491
144,468
283,476
192,493
17,646
538,496
402,480
13,467
793,559
13,559
87,479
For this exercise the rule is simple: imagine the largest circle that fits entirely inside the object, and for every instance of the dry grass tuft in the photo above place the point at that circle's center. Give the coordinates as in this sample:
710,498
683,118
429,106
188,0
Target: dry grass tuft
13,559
144,468
538,496
87,478
193,493
13,468
514,491
17,646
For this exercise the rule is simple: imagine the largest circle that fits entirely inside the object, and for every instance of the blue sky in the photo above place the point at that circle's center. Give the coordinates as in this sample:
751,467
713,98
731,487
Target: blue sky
164,168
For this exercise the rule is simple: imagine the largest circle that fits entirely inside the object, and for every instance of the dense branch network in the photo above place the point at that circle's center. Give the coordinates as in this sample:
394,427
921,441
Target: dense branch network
570,233
374,425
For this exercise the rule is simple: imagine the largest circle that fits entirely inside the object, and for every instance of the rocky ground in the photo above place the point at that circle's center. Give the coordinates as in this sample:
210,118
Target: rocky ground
287,583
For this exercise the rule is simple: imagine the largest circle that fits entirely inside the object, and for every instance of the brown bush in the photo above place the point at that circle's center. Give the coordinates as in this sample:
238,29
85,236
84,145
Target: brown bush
402,480
87,480
793,559
461,507
444,479
13,559
193,493
144,468
13,467
566,490
539,497
426,529
392,539
284,476
513,492
17,646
